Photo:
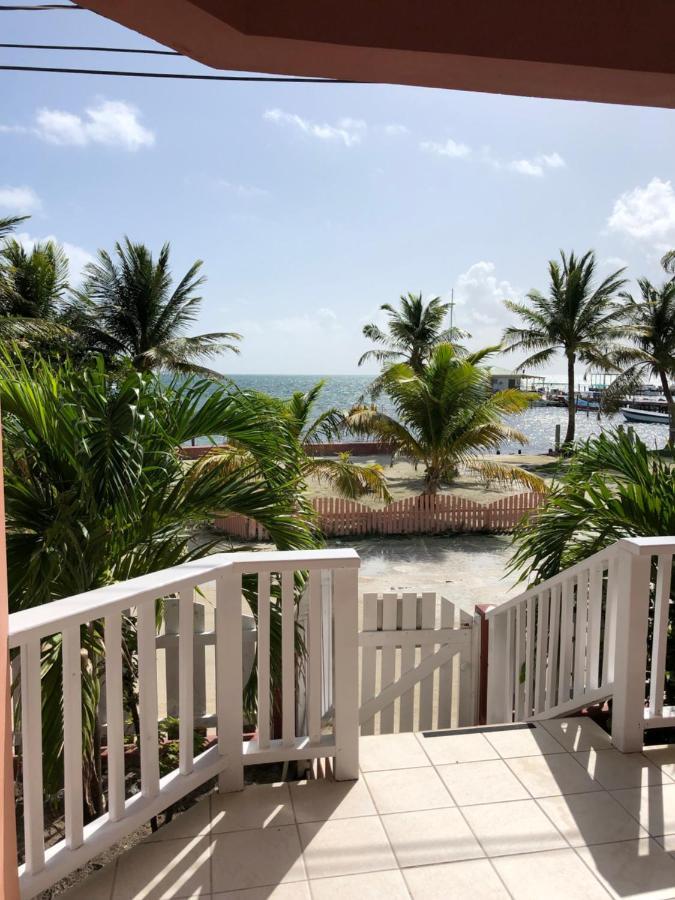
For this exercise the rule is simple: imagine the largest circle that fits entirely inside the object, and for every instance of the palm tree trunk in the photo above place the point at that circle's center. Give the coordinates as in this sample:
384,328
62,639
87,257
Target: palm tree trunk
571,400
671,406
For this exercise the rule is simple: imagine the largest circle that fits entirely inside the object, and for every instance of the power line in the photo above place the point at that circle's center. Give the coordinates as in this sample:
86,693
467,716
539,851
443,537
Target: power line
42,7
97,49
123,74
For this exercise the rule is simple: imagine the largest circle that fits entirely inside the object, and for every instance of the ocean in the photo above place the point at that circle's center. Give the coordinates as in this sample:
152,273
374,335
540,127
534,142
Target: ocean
537,423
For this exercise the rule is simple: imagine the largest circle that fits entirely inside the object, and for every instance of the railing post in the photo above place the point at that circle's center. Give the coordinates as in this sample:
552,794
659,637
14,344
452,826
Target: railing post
630,662
497,711
346,687
229,688
482,626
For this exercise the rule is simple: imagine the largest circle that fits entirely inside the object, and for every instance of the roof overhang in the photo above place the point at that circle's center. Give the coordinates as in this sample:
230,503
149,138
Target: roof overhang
613,51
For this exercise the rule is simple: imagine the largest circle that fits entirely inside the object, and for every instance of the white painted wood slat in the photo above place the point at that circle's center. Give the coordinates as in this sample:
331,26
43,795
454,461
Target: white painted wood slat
72,735
114,715
314,658
147,698
660,638
185,682
368,658
408,623
31,749
388,659
263,660
428,620
288,658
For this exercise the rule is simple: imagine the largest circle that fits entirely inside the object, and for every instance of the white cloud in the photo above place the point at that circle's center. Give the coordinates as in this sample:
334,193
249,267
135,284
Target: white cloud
113,123
78,257
21,200
537,165
646,214
395,129
614,262
240,190
450,148
480,299
346,130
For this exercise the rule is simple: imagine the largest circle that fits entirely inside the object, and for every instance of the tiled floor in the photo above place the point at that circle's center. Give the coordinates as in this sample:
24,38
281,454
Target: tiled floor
544,813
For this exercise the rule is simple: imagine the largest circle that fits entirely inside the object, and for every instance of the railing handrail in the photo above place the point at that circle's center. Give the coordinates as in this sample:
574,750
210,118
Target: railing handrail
638,546
41,621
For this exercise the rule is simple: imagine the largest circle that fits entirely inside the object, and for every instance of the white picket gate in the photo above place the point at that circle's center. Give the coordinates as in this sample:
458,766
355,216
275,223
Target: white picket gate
418,664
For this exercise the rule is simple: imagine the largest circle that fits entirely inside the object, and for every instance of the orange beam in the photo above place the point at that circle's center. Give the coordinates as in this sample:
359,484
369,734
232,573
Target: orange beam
615,51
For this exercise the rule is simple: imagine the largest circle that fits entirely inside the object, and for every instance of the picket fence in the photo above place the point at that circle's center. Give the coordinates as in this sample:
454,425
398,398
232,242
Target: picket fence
424,514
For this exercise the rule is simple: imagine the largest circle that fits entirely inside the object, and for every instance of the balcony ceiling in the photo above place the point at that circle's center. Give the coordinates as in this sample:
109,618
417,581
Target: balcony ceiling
614,51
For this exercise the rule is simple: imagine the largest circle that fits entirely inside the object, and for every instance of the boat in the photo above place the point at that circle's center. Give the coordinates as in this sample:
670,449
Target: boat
590,400
649,410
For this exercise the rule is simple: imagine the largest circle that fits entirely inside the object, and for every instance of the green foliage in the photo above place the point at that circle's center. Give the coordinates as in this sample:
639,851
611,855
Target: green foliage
575,317
413,330
129,308
445,413
96,492
614,488
346,478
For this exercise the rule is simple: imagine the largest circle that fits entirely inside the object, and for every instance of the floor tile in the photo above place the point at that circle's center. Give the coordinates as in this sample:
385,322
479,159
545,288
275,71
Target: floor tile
390,751
578,733
556,773
245,859
406,790
345,847
553,874
615,770
523,742
432,836
490,781
192,822
96,886
453,748
473,879
512,827
371,886
594,818
258,806
315,801
163,870
298,890
632,869
654,807
662,756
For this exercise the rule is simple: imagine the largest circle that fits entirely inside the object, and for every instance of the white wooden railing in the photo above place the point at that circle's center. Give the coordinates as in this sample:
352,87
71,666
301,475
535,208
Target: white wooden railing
584,636
137,597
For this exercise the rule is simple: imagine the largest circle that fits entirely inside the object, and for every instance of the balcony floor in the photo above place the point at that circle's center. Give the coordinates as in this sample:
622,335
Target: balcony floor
551,811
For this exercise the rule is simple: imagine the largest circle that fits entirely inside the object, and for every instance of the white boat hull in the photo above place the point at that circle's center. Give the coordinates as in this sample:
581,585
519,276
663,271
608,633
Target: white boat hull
645,415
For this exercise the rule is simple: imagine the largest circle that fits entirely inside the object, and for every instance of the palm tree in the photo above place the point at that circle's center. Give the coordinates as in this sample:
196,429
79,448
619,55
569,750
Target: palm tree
668,262
414,329
128,308
96,492
576,318
444,415
9,223
650,328
348,479
33,302
613,488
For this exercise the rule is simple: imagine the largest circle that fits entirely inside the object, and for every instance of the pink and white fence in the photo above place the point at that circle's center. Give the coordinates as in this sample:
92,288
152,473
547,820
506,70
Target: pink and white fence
424,514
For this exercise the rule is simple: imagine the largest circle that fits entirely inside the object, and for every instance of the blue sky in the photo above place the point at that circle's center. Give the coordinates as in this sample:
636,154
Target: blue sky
313,204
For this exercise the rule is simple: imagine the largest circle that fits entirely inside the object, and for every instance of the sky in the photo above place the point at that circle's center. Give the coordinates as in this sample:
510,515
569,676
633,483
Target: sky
311,205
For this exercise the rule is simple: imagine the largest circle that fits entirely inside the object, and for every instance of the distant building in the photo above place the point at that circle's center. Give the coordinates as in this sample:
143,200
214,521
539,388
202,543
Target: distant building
503,379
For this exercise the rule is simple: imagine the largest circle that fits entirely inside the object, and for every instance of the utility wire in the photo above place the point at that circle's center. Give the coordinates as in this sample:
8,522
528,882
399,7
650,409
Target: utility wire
42,7
186,77
97,49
